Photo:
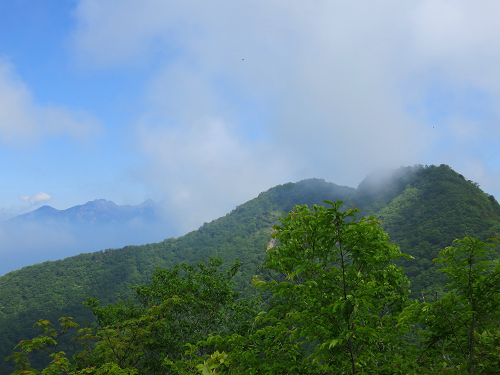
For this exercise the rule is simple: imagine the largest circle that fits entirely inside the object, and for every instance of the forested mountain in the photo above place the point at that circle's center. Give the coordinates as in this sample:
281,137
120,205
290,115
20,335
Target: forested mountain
422,208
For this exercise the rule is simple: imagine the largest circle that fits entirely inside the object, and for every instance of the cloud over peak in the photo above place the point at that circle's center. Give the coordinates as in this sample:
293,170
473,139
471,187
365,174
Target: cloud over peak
36,198
334,89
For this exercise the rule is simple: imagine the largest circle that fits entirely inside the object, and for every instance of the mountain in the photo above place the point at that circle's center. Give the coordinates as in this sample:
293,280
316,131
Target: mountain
422,208
99,211
50,234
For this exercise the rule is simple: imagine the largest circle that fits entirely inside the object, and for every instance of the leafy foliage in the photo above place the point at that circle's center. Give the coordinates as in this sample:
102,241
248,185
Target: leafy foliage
342,290
143,337
341,294
205,304
462,325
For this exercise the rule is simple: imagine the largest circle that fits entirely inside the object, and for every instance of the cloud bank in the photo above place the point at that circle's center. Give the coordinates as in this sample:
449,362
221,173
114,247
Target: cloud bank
245,95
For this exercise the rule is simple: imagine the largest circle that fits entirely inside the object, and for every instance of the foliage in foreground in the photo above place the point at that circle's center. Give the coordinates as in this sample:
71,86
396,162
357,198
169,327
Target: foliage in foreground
462,329
181,305
339,306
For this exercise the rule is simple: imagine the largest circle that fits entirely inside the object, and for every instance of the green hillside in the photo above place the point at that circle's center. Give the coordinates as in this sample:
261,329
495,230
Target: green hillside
422,208
435,206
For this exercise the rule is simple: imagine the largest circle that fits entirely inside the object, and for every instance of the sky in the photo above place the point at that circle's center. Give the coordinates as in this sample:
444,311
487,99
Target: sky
202,105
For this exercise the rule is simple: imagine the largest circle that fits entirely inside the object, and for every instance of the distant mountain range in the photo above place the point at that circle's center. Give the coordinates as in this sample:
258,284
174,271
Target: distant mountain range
96,212
50,234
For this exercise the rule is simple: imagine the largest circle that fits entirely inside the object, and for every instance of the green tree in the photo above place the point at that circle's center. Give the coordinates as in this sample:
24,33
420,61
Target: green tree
336,294
461,329
208,304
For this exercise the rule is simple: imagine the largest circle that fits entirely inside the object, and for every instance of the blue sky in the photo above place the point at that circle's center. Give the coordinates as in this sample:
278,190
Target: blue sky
205,104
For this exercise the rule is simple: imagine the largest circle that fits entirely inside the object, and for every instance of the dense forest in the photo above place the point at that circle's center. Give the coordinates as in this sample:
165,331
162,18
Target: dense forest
423,210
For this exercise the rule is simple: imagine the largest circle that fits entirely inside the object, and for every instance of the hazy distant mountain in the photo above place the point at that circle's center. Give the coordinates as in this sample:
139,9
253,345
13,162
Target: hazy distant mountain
99,211
49,234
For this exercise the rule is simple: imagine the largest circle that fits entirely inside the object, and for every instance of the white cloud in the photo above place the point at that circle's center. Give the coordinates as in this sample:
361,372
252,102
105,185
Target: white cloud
459,38
204,170
23,120
339,88
456,43
36,198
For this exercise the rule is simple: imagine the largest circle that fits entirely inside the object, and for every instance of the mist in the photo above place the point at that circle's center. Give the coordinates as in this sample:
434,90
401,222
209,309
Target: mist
257,94
25,244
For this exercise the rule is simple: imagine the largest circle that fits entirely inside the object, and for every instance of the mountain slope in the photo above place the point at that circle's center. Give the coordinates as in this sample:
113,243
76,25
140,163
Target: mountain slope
422,208
437,206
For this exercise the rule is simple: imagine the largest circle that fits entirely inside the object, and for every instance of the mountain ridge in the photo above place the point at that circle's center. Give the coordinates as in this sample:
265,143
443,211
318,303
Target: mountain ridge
92,212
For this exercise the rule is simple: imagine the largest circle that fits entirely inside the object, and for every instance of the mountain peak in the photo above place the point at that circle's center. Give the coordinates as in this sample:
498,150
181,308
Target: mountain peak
100,203
382,178
46,208
147,203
